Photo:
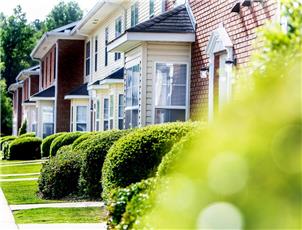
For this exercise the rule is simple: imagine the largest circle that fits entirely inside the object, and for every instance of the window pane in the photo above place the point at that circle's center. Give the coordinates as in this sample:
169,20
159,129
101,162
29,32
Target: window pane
81,127
111,105
47,129
106,125
151,7
81,114
120,123
120,105
87,49
98,109
171,80
111,124
106,108
128,119
134,118
47,114
169,115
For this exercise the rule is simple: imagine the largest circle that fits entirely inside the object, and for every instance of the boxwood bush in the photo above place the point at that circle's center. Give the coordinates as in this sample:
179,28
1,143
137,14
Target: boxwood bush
32,134
61,140
64,149
59,176
137,155
82,138
6,138
45,146
26,148
94,151
125,205
5,145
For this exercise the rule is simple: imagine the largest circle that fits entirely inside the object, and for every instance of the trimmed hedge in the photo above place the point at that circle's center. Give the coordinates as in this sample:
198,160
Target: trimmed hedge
137,155
82,138
64,149
6,138
127,204
64,139
95,150
59,176
26,148
5,145
28,135
45,146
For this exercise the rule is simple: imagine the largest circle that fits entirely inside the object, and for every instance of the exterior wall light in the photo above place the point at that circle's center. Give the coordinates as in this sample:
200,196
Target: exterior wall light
204,72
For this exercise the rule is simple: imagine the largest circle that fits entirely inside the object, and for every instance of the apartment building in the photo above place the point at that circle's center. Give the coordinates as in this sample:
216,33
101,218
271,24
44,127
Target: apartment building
134,63
16,90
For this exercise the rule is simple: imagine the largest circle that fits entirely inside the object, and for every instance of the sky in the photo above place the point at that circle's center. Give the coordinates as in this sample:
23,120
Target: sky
38,9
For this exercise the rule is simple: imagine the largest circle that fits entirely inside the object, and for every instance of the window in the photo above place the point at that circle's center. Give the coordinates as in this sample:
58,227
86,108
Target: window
81,118
98,107
118,32
71,118
106,113
96,54
34,121
151,8
111,111
120,111
132,92
134,14
106,43
47,120
170,92
87,59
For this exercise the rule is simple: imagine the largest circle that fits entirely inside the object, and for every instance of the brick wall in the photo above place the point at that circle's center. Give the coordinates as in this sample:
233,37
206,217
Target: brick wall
25,89
34,84
48,68
241,29
70,76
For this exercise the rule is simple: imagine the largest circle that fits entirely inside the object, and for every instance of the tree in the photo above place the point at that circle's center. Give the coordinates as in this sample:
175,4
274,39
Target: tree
6,110
17,41
63,14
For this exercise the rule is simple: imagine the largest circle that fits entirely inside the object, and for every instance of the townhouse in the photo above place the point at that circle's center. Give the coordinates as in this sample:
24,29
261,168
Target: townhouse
134,63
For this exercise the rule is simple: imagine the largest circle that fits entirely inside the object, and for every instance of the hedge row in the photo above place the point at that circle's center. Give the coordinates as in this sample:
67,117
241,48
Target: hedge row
61,140
24,148
45,146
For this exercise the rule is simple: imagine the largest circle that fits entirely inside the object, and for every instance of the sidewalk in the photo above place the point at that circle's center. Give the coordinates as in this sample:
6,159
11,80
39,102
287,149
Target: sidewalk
7,220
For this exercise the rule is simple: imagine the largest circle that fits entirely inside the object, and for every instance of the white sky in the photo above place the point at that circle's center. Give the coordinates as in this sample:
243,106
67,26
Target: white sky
38,9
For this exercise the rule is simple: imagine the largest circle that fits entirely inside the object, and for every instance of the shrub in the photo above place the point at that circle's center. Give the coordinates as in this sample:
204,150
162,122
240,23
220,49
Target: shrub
45,146
6,138
22,129
137,155
26,148
95,150
59,176
64,149
82,138
5,145
64,139
126,204
28,135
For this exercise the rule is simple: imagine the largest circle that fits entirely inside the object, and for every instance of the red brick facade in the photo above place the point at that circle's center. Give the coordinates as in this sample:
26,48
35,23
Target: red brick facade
48,66
34,84
241,29
25,90
70,76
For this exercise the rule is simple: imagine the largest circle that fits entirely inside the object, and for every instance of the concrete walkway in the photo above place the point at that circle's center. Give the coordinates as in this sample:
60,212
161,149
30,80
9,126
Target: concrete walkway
62,226
7,220
18,179
17,164
57,205
23,162
19,174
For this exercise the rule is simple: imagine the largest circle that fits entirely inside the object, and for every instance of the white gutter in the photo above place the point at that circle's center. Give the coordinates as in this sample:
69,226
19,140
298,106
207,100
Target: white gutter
69,97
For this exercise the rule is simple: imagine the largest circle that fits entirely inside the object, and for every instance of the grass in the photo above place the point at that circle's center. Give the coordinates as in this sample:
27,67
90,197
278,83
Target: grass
18,177
29,168
60,215
22,192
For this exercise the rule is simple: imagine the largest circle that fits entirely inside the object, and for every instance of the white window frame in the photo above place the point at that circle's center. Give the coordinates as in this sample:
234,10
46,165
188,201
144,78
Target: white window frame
98,115
111,111
96,50
117,55
76,122
120,106
187,100
71,118
106,41
136,107
136,6
151,15
87,58
108,113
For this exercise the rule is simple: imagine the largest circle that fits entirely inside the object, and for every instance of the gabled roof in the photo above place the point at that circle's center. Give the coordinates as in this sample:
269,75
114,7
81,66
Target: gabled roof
174,21
13,87
34,70
47,94
79,92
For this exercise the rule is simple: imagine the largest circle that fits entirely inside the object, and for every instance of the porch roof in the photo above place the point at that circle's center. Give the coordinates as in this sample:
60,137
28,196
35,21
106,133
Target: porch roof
79,92
115,77
34,70
47,94
176,25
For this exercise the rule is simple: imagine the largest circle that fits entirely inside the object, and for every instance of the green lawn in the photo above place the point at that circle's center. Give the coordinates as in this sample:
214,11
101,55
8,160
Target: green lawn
28,168
22,192
59,215
19,177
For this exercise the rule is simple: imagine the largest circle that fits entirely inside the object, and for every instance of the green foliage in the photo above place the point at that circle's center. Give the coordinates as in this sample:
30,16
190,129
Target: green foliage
64,149
59,176
6,109
17,41
6,138
137,155
95,150
5,146
45,146
25,148
82,138
125,205
22,129
61,140
28,135
63,14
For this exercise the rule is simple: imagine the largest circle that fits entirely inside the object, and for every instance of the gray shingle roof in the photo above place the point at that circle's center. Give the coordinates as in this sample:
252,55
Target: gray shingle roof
118,74
173,21
80,91
49,92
